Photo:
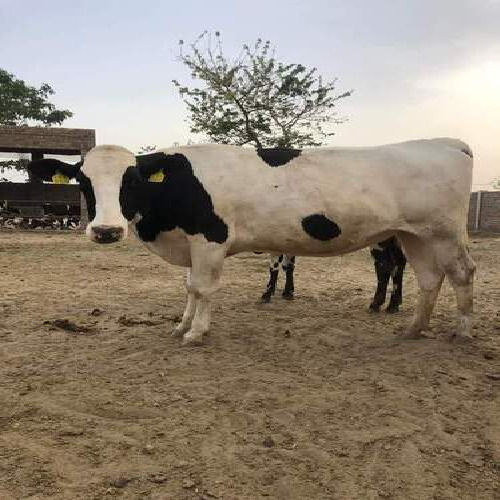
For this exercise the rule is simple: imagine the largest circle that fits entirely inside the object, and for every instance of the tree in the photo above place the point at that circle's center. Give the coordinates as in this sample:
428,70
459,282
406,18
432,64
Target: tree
256,99
21,104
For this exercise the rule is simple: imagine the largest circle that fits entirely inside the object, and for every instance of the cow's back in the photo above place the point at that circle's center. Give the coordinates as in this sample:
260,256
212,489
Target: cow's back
368,192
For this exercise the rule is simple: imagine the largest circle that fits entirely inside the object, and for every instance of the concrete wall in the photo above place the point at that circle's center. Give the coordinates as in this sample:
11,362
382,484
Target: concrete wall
484,211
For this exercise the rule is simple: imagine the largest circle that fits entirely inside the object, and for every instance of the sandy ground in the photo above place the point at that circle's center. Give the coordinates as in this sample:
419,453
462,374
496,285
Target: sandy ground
311,399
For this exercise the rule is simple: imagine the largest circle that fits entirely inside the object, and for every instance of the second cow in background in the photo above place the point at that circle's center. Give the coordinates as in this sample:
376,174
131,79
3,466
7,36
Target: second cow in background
389,261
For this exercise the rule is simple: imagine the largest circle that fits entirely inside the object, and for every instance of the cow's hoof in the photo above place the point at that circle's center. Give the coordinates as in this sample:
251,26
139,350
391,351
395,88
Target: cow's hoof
265,299
460,338
411,334
374,308
462,333
288,296
179,330
392,309
192,339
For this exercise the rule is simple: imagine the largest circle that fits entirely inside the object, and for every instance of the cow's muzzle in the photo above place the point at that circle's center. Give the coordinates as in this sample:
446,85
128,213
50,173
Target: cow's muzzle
106,234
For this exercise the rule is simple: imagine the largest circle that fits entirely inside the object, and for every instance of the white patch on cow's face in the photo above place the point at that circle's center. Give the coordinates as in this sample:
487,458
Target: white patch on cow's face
105,166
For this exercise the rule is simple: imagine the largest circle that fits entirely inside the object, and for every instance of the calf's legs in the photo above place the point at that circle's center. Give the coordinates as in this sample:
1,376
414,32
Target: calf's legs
397,283
288,267
389,261
274,268
383,276
288,264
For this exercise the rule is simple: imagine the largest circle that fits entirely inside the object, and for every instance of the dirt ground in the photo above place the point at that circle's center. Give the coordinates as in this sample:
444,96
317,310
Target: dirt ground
311,399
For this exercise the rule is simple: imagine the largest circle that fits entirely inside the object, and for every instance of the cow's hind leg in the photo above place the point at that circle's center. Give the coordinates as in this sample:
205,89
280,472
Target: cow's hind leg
421,255
288,267
459,268
207,260
274,267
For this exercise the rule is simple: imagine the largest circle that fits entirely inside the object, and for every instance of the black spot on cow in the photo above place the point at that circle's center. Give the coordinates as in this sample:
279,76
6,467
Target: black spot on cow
88,192
180,201
467,151
319,227
276,157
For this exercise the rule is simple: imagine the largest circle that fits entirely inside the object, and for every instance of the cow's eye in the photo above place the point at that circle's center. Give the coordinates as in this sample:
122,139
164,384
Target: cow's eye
132,177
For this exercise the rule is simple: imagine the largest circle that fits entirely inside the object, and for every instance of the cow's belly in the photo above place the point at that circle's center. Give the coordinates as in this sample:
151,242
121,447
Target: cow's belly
305,246
284,233
172,246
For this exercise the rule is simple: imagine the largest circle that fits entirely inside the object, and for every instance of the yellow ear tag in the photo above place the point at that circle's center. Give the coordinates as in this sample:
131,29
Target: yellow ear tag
157,176
59,178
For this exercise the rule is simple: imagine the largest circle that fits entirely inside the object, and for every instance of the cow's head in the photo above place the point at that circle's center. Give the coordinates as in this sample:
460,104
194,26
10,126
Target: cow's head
110,182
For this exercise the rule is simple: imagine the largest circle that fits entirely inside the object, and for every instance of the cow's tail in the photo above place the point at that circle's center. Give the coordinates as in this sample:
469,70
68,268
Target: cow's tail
457,144
466,149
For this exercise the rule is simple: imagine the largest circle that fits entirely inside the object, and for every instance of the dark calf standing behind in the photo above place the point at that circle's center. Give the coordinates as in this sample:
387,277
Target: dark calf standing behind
288,264
389,261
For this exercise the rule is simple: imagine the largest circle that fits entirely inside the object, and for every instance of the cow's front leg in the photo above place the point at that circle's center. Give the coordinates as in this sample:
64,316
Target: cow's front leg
207,260
187,318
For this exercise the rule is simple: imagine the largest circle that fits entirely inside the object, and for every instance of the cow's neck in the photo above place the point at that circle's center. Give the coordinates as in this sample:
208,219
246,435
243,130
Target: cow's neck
180,202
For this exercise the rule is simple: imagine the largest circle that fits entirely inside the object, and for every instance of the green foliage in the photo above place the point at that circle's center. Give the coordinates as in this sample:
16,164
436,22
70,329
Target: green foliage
256,99
21,104
496,183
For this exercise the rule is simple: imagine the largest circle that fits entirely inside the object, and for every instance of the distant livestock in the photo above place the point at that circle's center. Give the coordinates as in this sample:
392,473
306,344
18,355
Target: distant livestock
218,200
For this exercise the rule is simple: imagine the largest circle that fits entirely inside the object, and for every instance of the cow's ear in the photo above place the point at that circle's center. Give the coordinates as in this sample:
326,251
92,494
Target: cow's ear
132,177
158,176
151,173
152,166
52,170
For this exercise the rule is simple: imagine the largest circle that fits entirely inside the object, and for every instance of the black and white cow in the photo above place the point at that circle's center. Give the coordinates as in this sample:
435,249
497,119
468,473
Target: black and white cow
219,200
389,261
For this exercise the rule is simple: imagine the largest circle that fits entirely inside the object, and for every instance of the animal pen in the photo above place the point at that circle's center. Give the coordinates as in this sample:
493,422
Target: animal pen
52,202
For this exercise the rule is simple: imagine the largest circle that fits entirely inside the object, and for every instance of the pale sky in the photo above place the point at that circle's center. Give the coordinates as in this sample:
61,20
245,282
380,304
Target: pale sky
419,68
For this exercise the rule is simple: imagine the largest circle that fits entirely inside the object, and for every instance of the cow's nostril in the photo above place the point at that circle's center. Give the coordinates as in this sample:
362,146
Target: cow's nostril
107,234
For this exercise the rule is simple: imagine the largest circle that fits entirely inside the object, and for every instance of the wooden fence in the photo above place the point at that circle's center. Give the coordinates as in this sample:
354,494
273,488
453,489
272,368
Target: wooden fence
37,199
